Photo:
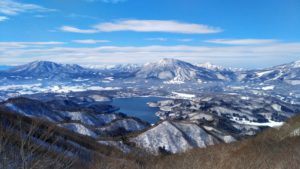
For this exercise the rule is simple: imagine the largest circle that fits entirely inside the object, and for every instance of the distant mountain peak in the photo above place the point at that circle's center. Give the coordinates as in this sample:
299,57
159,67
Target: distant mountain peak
41,62
124,66
166,61
177,70
296,64
47,69
36,65
209,65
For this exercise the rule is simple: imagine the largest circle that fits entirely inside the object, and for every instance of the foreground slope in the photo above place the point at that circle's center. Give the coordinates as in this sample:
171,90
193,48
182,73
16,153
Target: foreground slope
273,148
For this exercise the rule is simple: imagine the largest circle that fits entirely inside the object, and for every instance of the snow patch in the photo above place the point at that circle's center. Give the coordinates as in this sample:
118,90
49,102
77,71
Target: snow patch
271,123
268,87
79,128
260,74
184,95
173,82
293,82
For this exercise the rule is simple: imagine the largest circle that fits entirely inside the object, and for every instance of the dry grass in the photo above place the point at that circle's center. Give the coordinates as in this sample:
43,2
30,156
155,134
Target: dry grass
28,143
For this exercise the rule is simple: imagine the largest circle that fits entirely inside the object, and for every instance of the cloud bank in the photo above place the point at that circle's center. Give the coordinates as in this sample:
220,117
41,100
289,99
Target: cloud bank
167,26
237,56
3,18
76,30
90,41
26,45
11,7
242,41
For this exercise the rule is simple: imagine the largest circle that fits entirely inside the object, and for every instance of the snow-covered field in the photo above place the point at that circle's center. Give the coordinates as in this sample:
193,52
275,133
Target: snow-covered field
184,95
39,88
268,124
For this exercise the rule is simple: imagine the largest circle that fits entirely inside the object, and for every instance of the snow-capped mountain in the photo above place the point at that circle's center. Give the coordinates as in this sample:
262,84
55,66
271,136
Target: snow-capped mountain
287,73
121,70
168,71
50,70
125,67
225,74
176,70
210,66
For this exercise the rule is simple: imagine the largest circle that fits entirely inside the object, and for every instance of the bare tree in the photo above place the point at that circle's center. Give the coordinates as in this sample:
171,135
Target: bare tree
32,145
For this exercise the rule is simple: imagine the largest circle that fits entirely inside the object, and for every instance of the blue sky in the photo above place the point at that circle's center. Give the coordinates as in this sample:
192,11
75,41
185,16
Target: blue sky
236,33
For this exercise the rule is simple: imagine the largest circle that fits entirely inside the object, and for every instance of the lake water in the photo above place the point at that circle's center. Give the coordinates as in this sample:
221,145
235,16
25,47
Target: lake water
138,107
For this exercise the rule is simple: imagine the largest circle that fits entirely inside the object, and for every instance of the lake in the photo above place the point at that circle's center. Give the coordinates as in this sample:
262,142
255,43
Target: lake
138,107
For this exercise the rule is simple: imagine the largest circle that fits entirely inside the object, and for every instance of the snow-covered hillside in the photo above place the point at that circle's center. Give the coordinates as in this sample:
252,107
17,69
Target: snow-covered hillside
175,137
176,70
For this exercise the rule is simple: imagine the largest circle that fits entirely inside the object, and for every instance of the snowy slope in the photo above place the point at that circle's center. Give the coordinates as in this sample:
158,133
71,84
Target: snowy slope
50,70
176,70
79,128
174,137
123,125
286,73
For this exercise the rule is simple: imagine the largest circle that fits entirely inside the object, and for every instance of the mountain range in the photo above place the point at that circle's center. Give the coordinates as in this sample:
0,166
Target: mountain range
162,70
49,70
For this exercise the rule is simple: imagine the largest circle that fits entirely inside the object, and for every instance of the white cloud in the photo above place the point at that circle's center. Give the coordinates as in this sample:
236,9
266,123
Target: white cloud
168,26
237,56
39,16
76,30
3,18
90,41
242,41
157,39
12,7
156,26
108,1
166,39
113,1
27,44
76,16
185,40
